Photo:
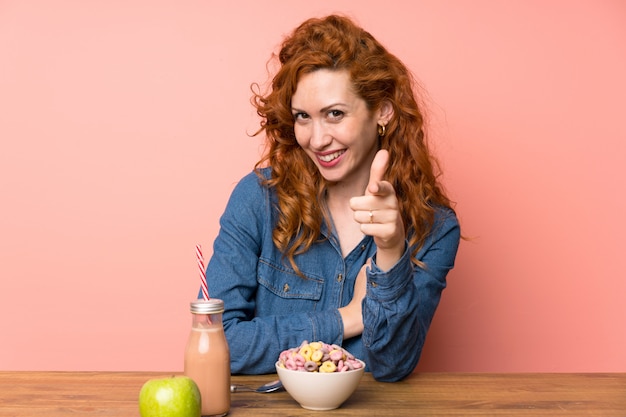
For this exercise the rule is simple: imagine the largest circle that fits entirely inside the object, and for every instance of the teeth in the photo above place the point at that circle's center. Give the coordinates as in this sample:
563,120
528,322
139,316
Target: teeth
330,157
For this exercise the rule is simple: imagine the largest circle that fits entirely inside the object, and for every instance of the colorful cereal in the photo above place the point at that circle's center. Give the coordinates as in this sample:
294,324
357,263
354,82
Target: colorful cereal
318,357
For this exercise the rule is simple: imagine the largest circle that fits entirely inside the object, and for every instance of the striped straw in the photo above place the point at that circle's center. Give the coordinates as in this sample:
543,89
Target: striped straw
202,271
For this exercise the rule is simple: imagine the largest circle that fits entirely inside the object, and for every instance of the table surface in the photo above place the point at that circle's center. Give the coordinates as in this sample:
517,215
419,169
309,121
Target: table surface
104,394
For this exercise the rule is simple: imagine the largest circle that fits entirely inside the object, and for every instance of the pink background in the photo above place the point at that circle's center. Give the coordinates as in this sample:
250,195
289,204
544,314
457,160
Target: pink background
123,128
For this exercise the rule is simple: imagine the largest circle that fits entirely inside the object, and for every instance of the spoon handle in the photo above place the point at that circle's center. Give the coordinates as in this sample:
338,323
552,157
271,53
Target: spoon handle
240,388
272,386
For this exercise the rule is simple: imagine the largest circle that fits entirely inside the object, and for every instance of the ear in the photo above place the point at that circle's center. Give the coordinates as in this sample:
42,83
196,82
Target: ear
385,112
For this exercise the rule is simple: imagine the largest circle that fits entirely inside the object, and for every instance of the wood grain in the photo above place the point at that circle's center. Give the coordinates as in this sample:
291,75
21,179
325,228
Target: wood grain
55,394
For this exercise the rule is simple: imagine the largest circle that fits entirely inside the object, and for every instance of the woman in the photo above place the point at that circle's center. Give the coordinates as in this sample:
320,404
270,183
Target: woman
342,233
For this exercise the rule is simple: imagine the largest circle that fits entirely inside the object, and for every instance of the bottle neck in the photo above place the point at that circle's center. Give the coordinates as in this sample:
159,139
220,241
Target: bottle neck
204,321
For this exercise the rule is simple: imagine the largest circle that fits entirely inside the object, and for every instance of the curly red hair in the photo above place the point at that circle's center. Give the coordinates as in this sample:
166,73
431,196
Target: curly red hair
336,43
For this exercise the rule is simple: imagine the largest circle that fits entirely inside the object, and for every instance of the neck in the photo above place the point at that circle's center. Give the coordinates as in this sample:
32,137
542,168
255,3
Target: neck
341,193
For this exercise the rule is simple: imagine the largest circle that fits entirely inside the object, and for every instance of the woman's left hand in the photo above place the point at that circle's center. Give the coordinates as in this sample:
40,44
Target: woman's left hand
378,213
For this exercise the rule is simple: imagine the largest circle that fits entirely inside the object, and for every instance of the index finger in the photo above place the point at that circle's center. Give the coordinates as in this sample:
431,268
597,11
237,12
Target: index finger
377,172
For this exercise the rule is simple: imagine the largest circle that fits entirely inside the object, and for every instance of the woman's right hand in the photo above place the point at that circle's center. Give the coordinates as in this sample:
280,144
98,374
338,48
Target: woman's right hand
352,314
378,212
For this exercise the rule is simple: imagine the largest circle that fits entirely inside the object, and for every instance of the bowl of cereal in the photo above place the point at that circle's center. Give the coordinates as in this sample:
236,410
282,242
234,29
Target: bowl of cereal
319,376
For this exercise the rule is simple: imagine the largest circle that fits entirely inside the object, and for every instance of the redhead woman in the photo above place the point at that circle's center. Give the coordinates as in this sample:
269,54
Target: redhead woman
342,233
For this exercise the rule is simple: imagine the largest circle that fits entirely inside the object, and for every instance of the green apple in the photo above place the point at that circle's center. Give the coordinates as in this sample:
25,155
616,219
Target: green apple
175,396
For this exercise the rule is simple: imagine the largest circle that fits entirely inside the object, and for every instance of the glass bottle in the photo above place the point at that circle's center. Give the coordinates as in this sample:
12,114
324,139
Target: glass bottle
207,357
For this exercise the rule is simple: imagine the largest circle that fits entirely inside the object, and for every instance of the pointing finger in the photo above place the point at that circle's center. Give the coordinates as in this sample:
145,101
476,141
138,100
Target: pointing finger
377,172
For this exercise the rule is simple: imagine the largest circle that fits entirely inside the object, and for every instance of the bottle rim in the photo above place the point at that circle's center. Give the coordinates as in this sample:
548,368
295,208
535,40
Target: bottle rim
211,306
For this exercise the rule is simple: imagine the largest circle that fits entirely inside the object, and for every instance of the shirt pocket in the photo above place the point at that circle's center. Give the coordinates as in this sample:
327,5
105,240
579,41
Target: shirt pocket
279,283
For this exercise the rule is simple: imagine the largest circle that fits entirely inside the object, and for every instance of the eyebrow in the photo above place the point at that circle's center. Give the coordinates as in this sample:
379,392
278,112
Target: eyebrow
323,109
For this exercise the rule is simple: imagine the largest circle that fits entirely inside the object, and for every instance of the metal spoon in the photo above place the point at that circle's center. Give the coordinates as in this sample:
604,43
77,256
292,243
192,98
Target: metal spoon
273,386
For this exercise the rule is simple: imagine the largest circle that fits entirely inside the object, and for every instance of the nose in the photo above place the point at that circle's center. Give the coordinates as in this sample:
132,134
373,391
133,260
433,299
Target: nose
320,136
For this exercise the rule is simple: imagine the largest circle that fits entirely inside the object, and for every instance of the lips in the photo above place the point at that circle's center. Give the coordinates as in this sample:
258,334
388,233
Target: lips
328,158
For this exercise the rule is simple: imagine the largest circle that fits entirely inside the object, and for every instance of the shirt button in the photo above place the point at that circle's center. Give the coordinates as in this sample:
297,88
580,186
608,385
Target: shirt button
339,278
286,288
362,247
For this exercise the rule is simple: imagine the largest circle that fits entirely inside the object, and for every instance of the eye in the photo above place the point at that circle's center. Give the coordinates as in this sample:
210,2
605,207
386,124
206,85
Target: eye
335,115
300,116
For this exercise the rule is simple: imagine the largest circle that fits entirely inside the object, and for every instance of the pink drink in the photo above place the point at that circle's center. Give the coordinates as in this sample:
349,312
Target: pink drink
207,357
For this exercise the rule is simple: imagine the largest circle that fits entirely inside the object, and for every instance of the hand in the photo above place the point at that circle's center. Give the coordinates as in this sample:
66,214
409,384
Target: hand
352,314
379,215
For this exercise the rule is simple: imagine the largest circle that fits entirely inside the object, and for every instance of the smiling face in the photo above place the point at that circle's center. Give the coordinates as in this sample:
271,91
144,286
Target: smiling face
334,126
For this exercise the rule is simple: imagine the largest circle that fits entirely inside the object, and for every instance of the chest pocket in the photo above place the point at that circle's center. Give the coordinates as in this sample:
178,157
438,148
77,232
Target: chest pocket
286,284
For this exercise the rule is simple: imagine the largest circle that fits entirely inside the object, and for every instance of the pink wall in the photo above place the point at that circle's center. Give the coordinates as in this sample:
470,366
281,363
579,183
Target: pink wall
123,129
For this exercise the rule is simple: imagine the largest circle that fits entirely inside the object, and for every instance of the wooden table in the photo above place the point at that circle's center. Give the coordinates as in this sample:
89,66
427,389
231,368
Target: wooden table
85,394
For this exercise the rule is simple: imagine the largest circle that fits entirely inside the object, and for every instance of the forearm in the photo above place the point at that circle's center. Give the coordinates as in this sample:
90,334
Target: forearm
402,301
255,344
391,337
387,258
352,320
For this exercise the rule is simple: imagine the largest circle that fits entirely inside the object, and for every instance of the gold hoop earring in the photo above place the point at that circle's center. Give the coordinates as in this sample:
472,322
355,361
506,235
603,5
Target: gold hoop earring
382,129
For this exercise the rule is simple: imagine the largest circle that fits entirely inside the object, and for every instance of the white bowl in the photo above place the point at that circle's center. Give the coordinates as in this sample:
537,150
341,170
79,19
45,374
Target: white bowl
318,390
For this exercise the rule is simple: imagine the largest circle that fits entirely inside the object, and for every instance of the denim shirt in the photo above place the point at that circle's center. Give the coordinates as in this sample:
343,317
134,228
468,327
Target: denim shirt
270,308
